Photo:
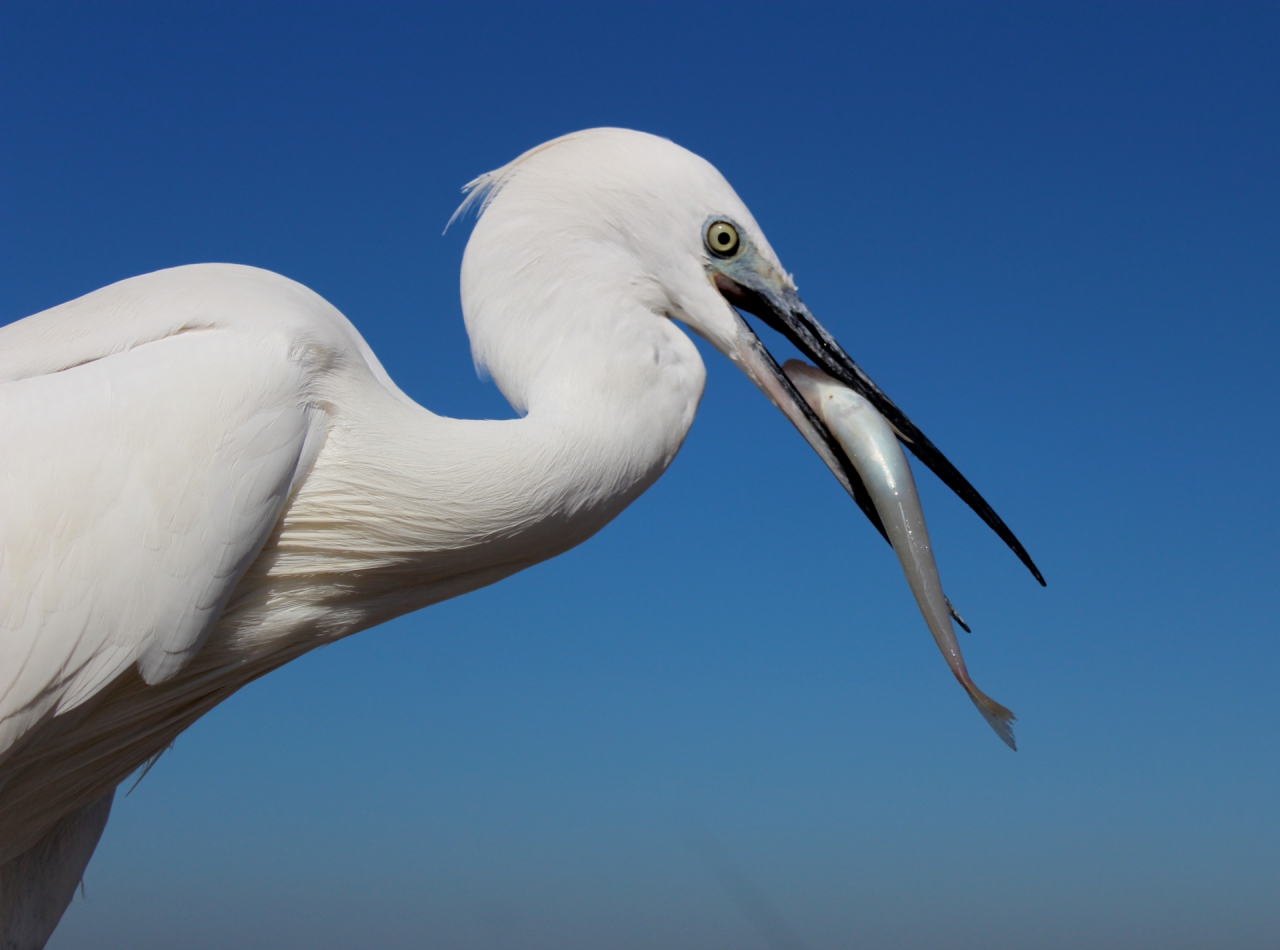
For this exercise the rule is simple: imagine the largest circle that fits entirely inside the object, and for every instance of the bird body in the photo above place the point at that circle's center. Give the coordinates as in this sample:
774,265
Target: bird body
320,502
205,472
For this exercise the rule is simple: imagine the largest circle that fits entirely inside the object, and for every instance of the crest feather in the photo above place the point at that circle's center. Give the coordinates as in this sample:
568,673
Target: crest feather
484,189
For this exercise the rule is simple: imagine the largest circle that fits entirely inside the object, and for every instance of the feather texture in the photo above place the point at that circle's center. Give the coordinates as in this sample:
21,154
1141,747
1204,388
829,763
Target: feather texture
205,472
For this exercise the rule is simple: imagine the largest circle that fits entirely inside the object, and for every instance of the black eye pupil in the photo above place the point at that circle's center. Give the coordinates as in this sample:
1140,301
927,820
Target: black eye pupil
722,238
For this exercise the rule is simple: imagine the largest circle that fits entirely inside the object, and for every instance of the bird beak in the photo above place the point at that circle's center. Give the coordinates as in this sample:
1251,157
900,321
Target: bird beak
752,284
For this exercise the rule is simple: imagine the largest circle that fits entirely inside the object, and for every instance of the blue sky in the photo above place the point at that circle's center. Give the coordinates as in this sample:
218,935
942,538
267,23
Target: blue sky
1050,232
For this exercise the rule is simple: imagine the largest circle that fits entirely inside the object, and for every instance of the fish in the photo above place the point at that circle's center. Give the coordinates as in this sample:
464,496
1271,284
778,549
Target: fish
873,447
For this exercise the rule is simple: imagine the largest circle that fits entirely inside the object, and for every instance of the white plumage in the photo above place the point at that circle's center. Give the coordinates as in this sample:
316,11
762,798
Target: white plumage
205,472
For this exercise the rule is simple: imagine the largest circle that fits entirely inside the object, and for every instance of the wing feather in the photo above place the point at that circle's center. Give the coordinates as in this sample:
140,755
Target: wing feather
135,490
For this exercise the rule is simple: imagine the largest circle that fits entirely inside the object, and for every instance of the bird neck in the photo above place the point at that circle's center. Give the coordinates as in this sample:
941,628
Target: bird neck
405,508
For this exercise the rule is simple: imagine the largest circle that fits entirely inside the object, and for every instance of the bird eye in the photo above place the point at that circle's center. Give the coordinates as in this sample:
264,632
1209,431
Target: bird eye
722,239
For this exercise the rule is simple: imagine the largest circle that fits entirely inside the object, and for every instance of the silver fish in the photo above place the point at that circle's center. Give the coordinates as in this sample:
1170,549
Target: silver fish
872,445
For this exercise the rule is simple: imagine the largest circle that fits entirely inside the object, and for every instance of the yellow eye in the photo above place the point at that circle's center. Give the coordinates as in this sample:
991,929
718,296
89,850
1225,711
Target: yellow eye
722,239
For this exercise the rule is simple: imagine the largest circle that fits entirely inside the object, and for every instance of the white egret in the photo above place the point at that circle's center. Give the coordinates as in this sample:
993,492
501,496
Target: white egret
205,472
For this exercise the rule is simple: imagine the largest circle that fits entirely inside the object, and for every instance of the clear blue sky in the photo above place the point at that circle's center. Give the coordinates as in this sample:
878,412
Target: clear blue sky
1050,232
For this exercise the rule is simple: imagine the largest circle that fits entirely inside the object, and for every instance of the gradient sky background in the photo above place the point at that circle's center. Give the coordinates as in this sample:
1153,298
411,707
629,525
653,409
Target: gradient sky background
1051,233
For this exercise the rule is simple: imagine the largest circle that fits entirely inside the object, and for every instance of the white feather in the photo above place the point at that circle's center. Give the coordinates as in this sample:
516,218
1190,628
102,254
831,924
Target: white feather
204,472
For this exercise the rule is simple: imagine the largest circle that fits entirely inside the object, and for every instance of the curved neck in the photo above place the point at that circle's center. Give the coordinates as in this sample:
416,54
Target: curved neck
405,508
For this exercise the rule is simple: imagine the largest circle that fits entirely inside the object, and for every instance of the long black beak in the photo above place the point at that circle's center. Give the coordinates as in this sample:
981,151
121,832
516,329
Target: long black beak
782,310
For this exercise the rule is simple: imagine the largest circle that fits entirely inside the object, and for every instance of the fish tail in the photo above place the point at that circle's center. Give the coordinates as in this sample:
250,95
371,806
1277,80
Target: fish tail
998,717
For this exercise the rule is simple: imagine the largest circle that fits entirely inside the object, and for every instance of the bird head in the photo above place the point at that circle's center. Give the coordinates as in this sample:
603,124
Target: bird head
604,223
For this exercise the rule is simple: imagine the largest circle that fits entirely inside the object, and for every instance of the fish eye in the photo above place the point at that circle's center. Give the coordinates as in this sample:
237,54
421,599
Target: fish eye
722,239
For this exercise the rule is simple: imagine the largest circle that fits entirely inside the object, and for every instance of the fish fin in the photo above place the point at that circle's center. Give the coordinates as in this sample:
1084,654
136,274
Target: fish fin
998,717
955,615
